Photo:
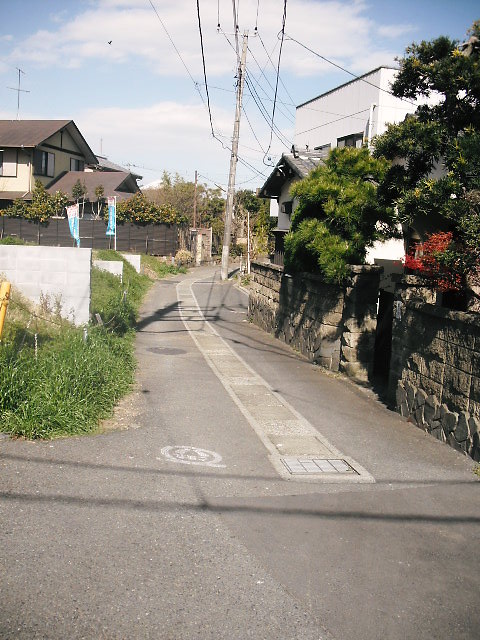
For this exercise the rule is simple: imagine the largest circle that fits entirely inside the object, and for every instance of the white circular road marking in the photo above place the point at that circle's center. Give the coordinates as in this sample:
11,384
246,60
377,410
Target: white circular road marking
193,455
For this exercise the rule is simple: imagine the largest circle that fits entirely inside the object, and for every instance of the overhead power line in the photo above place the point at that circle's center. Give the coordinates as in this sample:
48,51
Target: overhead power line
204,68
264,113
350,73
273,65
332,121
257,82
284,18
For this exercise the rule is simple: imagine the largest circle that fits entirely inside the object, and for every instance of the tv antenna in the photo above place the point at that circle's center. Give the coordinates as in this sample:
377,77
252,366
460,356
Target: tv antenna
19,89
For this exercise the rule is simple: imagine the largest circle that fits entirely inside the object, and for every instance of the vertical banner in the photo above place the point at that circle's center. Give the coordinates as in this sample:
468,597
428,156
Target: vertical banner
112,219
72,213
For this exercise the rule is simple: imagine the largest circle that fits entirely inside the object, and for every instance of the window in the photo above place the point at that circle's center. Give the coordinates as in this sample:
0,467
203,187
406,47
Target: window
76,164
323,147
44,163
8,163
287,207
353,140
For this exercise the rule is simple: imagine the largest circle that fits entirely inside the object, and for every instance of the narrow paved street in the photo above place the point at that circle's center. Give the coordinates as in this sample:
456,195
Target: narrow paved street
190,520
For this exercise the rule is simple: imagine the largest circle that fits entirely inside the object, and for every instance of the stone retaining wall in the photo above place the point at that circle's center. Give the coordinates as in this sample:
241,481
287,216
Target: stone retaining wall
435,368
331,325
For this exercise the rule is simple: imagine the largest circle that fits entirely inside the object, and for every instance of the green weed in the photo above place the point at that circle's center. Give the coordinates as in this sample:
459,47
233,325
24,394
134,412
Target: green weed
69,383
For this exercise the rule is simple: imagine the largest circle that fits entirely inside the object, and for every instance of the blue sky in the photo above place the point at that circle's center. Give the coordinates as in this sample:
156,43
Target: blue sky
141,99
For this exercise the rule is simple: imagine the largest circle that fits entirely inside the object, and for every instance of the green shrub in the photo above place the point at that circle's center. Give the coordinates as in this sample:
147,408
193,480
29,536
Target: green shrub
11,240
339,214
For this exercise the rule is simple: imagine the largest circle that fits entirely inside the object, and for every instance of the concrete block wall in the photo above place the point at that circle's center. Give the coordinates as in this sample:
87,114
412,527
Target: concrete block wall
435,369
60,275
133,259
115,267
332,326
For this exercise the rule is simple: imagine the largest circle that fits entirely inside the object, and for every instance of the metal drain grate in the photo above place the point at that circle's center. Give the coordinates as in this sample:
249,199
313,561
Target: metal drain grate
304,465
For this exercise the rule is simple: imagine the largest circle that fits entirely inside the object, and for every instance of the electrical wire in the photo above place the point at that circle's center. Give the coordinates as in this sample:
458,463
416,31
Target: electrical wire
332,121
235,30
273,65
346,70
252,130
287,116
284,18
259,104
204,68
177,51
263,111
287,104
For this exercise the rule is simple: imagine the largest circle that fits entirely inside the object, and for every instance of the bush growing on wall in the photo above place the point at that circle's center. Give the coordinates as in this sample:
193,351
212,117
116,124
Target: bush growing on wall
338,215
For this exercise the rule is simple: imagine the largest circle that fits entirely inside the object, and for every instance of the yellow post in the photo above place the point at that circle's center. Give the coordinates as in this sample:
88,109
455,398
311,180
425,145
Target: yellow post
4,298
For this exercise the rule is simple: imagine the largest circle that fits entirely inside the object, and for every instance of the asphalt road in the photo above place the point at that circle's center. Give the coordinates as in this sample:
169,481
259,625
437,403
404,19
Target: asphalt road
180,523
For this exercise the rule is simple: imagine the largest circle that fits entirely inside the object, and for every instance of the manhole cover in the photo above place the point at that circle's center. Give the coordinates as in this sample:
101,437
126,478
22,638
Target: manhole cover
193,455
304,465
166,351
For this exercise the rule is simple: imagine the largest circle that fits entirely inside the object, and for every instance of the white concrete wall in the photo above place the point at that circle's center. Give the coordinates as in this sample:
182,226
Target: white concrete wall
284,220
133,259
115,267
58,273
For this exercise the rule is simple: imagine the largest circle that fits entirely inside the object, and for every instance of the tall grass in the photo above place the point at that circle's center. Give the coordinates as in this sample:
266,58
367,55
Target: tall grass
72,381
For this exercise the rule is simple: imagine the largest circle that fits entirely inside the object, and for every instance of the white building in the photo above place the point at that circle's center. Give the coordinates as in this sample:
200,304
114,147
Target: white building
351,114
348,115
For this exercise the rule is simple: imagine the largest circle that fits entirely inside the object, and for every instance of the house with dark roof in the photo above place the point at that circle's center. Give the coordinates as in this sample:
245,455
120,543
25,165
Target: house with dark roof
104,164
289,169
121,184
38,150
349,115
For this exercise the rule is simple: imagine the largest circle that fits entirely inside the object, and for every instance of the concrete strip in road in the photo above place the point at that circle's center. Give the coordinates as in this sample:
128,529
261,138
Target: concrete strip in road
293,443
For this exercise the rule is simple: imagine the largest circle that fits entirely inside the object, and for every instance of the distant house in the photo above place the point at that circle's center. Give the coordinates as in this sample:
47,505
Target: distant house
289,169
104,164
38,150
121,184
56,153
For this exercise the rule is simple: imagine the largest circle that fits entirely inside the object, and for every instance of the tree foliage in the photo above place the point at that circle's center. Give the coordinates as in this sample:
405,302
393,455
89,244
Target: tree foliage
180,194
41,208
79,190
246,203
339,214
140,210
435,173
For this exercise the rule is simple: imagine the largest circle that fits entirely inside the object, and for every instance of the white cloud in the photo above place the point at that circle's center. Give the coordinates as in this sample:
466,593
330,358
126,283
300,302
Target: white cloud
167,135
396,30
336,29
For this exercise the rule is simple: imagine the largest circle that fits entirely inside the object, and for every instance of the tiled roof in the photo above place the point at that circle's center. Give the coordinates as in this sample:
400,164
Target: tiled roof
28,133
104,163
115,183
290,166
31,133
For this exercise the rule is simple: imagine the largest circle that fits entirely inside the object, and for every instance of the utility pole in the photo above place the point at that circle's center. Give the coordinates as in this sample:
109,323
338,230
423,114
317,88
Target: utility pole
195,202
233,161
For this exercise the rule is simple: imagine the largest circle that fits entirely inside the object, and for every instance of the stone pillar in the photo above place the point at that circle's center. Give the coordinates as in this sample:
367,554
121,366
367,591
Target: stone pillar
360,322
